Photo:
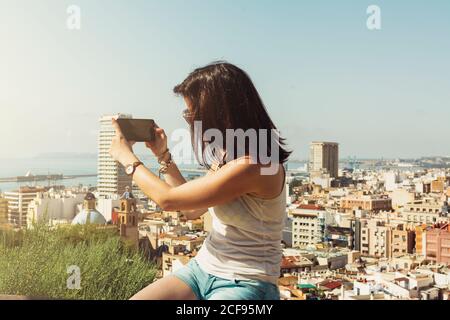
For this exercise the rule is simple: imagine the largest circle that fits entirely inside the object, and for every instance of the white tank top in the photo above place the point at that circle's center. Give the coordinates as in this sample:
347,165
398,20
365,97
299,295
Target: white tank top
245,240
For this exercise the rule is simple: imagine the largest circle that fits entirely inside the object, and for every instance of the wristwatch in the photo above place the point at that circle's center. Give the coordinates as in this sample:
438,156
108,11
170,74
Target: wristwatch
131,168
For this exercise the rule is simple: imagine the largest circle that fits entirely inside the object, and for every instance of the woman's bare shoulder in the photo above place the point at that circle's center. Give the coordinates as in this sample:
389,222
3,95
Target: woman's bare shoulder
268,179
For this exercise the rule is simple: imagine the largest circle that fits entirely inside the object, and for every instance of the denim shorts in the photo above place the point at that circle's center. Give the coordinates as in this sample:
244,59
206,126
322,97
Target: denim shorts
209,287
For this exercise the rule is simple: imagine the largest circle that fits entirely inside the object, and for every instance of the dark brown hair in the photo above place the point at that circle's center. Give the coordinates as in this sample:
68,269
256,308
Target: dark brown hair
224,97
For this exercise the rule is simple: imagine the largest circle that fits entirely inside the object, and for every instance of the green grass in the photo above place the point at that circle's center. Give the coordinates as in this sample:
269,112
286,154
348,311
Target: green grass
35,263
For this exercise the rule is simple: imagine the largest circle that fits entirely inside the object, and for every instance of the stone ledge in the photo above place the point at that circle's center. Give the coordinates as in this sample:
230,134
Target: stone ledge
13,297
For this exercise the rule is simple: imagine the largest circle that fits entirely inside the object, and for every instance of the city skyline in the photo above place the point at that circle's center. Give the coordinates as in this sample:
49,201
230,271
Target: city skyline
321,73
351,204
144,153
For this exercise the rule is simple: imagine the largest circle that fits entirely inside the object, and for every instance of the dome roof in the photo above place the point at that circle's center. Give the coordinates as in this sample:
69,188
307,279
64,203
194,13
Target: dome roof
94,217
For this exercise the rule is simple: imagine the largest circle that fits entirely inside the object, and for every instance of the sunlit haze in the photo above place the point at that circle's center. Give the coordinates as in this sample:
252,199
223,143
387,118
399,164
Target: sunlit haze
321,73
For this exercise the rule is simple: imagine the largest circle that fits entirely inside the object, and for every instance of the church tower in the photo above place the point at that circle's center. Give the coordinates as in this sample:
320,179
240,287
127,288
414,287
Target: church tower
128,218
89,202
127,215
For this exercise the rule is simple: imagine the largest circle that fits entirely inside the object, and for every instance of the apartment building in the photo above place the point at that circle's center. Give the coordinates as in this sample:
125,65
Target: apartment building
391,180
401,197
50,206
112,179
402,242
375,239
308,225
371,203
426,211
438,186
18,202
421,240
423,187
189,243
324,159
340,236
380,239
438,244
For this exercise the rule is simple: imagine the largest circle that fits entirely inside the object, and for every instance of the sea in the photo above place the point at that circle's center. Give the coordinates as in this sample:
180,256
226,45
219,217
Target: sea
76,165
42,166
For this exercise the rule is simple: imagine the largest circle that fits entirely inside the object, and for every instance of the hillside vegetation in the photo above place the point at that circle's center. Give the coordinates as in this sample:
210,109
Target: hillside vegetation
39,263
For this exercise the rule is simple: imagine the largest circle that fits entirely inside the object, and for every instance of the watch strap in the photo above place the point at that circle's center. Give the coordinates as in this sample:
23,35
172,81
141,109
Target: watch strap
135,165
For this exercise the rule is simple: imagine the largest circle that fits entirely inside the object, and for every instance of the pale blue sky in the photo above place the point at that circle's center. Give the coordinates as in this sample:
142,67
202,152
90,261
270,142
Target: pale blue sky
322,74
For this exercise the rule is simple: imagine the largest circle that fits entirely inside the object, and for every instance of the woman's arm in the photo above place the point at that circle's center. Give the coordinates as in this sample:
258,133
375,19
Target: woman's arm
233,180
195,214
173,176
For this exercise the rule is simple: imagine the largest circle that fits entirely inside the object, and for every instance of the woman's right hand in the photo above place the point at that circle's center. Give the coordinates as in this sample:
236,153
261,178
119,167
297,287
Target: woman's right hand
159,145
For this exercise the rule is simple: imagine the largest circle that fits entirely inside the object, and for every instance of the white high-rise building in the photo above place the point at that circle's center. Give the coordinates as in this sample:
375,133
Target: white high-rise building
112,178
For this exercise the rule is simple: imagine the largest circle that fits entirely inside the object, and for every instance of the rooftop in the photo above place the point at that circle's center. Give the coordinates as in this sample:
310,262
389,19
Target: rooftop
310,207
294,262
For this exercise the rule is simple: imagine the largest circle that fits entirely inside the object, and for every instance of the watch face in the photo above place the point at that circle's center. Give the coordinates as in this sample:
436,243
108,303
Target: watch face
129,169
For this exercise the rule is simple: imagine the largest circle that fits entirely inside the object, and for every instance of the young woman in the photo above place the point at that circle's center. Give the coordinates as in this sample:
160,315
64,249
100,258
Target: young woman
240,258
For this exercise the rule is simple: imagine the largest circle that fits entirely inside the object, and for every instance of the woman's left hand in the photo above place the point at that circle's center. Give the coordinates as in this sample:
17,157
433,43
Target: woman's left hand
121,150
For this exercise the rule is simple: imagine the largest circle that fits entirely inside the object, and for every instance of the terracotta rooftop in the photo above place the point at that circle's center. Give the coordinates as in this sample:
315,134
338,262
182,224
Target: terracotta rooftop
331,284
310,207
288,281
294,262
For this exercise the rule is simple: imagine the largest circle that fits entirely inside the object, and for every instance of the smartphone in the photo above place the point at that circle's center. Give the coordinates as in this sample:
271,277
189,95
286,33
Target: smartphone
138,130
